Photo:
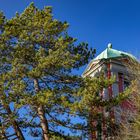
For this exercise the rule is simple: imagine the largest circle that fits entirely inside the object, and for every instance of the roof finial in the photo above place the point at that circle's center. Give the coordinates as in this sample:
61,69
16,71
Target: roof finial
109,45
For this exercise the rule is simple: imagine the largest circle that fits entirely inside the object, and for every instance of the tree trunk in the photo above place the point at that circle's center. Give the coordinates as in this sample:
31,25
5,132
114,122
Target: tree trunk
41,114
15,125
92,125
17,130
3,133
43,122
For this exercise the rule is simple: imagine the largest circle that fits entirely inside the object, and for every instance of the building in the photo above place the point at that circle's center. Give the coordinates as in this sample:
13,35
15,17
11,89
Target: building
113,63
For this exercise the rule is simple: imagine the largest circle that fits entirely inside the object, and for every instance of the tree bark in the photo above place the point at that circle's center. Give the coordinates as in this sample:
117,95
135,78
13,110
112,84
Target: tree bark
15,125
41,114
3,133
92,125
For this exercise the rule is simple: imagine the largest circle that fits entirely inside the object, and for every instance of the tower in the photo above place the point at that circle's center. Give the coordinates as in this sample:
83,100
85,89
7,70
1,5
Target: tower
113,63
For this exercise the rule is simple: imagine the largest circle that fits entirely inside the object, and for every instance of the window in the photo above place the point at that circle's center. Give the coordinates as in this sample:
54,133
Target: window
120,82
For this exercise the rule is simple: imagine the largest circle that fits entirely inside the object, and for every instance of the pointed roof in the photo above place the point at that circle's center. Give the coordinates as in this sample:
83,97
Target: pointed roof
112,53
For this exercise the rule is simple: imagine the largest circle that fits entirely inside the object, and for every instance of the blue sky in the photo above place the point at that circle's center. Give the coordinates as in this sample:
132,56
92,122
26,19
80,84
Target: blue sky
97,22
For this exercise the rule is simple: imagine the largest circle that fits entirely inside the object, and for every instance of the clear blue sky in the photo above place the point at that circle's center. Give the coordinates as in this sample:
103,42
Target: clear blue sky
97,22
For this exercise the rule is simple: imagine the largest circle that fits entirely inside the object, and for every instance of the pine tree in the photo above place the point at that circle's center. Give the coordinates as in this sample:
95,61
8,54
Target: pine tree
43,57
91,105
131,127
38,58
7,116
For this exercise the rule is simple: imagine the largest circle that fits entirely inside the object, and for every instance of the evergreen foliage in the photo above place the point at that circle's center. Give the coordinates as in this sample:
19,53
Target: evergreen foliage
131,127
37,60
39,76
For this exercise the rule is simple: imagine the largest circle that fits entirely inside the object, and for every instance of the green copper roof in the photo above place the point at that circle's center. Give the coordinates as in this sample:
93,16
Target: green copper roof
112,53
